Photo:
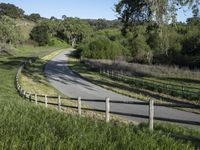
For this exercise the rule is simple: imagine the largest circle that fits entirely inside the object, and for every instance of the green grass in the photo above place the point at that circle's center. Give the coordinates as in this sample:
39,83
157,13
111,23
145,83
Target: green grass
32,51
33,78
189,92
25,126
180,83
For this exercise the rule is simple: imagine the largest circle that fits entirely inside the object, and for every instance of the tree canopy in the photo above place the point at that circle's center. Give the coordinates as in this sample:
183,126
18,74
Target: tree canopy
9,33
159,11
40,35
11,10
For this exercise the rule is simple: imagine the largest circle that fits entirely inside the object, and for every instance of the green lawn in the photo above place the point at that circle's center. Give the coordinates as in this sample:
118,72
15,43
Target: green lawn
26,126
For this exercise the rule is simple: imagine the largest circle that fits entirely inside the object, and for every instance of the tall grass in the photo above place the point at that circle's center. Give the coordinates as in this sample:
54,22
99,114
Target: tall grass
147,70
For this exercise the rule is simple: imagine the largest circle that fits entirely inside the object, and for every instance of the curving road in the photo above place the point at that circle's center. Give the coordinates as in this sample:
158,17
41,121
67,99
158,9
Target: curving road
72,85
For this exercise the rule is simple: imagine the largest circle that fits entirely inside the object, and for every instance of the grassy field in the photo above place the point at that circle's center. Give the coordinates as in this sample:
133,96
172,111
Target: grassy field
178,82
25,126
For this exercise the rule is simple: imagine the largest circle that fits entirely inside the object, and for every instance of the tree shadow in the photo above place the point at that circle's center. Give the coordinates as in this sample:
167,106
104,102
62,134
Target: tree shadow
141,91
57,71
192,81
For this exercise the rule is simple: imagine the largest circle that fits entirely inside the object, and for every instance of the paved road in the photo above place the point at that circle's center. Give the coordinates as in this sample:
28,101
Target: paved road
70,84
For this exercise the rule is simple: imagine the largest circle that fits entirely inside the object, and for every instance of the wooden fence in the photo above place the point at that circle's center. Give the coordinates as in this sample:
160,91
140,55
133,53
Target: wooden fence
38,98
173,89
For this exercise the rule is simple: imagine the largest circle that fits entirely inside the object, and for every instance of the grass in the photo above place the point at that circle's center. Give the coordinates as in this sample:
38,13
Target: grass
166,73
182,83
33,78
34,51
25,126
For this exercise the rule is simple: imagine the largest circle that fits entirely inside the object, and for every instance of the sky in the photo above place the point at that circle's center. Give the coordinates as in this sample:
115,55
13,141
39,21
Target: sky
83,9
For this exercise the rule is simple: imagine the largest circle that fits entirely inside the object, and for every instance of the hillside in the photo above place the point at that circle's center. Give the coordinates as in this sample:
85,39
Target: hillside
25,126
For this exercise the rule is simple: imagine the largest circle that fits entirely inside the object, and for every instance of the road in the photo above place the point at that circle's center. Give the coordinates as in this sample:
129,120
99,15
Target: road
72,85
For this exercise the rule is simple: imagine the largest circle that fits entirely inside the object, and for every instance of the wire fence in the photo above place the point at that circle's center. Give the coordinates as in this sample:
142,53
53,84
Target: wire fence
59,103
184,91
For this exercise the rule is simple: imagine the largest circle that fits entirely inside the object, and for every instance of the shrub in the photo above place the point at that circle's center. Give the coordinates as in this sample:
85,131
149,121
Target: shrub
40,35
101,48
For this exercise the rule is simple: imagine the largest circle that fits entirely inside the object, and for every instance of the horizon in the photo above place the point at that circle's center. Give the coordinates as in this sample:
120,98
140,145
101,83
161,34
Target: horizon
96,9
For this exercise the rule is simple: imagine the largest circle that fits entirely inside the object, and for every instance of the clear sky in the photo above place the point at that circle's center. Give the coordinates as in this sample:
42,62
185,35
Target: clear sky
92,9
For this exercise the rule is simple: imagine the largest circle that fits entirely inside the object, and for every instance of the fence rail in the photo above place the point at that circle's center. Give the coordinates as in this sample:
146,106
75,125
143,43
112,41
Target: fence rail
183,90
174,90
37,99
106,68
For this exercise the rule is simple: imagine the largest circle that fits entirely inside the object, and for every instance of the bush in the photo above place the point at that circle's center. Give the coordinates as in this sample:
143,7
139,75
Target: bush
101,48
40,35
140,50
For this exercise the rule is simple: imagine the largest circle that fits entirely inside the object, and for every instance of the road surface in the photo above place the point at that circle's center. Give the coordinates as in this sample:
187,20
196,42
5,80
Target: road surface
72,85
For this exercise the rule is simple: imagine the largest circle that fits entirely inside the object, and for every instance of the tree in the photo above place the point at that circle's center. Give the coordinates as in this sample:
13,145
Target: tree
11,10
53,18
193,21
9,32
73,30
64,17
40,35
159,12
100,47
34,17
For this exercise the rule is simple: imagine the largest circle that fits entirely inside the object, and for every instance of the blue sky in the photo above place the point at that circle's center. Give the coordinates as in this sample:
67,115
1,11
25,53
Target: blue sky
93,9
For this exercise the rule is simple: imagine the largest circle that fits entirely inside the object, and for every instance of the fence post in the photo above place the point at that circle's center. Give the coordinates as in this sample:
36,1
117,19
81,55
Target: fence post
46,101
21,91
24,94
107,110
182,90
30,97
79,105
151,114
59,104
36,100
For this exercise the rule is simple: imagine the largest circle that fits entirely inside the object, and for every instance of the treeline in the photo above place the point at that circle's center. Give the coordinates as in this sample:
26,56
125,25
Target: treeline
176,44
45,31
179,44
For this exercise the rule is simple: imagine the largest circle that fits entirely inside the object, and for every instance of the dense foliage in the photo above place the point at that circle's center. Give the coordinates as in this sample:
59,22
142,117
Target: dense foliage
73,30
8,30
40,35
155,41
11,10
33,17
99,47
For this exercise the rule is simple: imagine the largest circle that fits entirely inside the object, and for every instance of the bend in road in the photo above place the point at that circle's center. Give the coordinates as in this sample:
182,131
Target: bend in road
72,85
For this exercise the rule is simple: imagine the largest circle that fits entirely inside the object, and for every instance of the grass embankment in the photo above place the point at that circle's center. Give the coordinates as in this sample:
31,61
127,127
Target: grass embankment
33,78
25,126
124,88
